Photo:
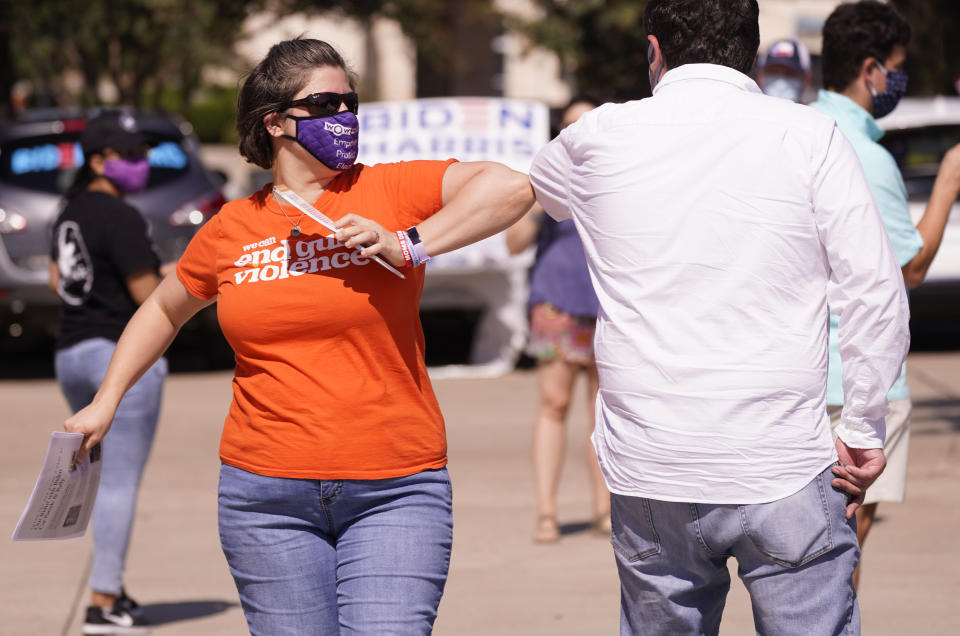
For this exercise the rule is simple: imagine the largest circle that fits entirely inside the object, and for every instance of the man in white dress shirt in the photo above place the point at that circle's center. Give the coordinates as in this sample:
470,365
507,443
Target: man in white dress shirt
718,224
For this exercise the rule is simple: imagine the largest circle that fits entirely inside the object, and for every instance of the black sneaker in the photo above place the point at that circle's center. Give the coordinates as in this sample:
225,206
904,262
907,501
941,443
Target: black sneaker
114,621
128,605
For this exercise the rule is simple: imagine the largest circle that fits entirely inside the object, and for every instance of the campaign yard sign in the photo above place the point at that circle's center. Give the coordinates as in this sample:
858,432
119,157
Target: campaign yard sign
509,131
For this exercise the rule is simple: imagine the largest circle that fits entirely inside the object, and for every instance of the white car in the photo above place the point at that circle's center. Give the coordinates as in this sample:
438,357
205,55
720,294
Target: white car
918,133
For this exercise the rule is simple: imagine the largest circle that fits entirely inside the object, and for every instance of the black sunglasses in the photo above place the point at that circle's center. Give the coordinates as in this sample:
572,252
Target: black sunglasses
327,103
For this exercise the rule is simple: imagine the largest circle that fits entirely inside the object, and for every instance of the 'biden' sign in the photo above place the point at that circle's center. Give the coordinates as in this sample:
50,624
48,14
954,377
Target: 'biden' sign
509,131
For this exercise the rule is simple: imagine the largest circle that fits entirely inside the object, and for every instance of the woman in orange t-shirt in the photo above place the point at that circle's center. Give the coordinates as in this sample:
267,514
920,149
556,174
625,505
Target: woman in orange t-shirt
335,504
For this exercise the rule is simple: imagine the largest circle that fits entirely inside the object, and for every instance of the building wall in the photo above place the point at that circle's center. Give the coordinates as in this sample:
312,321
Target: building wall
802,19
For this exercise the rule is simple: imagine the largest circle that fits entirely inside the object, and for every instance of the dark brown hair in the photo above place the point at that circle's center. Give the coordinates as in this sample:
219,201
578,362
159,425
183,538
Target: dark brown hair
854,32
272,84
725,32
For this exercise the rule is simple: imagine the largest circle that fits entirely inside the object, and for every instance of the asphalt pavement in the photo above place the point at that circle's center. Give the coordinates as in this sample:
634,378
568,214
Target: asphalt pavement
500,582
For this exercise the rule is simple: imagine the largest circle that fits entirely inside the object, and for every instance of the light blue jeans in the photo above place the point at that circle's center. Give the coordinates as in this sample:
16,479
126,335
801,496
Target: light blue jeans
314,558
80,370
796,557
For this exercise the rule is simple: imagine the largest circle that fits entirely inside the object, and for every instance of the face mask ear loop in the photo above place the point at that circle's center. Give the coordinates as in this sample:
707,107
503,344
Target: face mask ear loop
870,86
654,76
296,128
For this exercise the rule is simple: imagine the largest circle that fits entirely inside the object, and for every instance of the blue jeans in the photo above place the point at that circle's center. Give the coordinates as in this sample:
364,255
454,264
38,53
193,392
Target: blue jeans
313,557
80,370
796,557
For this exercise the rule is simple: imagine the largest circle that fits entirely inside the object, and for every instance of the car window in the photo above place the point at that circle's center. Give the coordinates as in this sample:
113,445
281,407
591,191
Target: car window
918,152
48,163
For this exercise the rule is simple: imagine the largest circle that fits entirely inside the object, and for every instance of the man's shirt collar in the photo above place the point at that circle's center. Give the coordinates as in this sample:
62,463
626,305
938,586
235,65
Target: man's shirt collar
714,72
848,113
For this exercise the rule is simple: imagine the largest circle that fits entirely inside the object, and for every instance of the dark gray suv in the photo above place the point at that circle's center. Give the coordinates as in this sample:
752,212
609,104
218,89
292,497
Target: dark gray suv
39,154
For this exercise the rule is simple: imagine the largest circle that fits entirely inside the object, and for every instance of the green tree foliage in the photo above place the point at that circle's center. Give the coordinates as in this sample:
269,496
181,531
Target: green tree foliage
417,18
602,43
424,21
933,57
145,47
433,26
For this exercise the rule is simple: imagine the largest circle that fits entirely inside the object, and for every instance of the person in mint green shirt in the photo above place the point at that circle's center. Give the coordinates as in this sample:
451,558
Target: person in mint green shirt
864,49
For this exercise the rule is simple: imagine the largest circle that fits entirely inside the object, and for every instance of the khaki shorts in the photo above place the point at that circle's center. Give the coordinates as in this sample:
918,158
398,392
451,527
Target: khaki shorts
891,484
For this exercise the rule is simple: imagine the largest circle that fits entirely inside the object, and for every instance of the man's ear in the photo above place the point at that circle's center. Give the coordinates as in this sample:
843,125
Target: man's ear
868,67
273,122
654,56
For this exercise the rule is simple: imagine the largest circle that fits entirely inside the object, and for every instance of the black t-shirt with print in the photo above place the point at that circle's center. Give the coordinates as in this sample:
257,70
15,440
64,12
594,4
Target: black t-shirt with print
98,241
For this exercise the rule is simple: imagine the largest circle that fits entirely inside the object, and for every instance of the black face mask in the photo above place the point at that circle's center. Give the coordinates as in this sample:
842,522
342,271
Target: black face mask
885,102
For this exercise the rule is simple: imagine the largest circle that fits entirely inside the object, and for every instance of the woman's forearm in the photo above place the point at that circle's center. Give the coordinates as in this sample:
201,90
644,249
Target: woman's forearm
931,228
946,188
145,338
488,202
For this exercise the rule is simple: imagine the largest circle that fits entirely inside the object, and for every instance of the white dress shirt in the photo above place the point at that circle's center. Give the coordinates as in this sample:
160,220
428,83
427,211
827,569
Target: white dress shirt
718,223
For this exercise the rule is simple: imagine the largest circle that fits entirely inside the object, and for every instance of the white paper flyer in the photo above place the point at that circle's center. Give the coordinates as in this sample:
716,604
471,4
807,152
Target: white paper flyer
62,500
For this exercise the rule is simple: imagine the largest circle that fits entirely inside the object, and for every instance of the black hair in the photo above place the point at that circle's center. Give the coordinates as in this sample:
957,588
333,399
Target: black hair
81,179
272,84
725,32
856,31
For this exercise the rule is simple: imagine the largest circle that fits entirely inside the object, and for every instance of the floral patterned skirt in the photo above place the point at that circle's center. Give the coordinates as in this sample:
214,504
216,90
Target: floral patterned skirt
557,334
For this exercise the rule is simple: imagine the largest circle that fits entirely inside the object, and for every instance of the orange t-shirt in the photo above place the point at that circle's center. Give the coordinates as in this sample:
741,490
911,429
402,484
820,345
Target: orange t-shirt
330,381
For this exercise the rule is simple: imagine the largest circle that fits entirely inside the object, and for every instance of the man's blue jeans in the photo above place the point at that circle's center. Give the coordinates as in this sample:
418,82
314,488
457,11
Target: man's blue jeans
80,370
796,558
313,557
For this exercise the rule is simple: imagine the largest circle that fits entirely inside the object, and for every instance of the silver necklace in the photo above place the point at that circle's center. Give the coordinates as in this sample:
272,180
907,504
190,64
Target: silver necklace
295,231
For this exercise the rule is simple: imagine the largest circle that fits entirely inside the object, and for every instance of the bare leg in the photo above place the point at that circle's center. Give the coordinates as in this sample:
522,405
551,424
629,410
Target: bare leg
556,382
103,601
865,515
598,487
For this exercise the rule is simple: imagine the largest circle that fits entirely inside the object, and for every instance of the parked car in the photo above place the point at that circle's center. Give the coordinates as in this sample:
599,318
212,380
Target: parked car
39,155
918,133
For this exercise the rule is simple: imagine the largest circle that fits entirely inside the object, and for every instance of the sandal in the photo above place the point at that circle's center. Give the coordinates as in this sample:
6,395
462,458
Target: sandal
601,525
547,529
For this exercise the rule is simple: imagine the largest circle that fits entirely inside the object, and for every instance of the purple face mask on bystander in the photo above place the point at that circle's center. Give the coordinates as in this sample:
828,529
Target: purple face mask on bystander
128,175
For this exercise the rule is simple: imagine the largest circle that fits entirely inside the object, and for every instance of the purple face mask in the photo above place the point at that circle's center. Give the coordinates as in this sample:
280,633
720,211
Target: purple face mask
332,140
128,176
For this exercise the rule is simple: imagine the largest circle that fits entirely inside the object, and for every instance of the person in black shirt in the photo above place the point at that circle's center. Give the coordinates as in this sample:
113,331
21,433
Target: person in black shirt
103,266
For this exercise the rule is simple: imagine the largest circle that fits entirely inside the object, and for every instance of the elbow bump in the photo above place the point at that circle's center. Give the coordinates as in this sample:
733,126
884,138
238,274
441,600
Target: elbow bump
519,184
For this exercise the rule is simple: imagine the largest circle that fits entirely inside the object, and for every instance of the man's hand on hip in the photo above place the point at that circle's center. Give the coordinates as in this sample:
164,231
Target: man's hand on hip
859,467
